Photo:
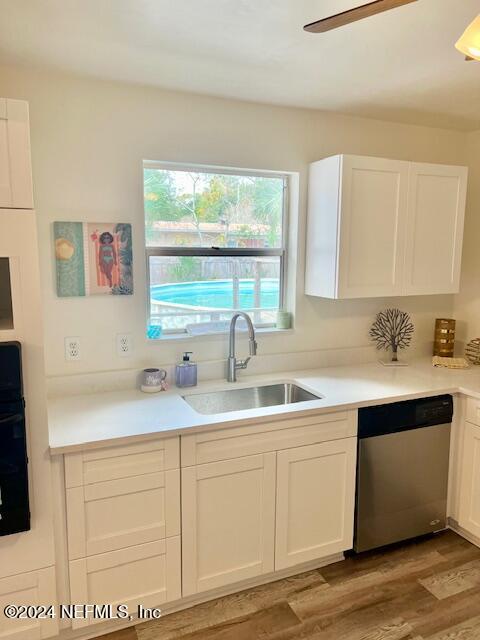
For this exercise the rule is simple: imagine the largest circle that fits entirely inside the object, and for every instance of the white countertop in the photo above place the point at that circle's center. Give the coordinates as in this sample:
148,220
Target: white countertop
116,417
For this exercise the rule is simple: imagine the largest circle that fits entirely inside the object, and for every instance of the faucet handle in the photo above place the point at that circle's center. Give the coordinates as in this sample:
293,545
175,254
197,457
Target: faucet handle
242,364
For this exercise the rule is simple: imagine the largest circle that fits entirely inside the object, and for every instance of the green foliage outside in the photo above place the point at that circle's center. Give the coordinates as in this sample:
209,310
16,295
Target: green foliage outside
186,269
181,196
253,204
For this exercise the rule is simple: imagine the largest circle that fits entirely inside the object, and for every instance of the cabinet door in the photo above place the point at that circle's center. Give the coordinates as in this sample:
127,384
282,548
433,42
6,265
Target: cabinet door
148,574
121,513
15,164
469,499
436,211
372,228
315,501
35,588
228,521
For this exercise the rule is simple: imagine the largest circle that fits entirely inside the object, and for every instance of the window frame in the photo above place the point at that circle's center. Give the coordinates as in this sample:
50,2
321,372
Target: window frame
280,251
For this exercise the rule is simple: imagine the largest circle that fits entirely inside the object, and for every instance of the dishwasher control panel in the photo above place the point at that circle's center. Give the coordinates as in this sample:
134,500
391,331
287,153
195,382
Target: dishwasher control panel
399,416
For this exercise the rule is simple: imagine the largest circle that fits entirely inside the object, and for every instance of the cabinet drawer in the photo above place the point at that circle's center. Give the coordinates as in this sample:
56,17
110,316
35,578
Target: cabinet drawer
473,411
35,588
231,443
148,574
112,463
121,513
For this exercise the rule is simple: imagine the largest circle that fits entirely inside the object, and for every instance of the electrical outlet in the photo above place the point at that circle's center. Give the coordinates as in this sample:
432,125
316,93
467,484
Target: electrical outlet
124,344
72,348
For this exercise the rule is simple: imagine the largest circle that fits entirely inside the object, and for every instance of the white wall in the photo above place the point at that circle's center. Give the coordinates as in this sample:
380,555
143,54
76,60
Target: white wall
467,302
89,139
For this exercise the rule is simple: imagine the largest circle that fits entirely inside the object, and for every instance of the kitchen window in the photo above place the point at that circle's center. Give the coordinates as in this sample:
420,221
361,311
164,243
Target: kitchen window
215,244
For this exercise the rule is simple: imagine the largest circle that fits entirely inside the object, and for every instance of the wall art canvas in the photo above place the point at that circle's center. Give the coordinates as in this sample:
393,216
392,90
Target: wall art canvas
93,258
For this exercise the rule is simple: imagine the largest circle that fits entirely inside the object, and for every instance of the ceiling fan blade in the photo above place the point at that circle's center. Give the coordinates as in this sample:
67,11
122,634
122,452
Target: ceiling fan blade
352,15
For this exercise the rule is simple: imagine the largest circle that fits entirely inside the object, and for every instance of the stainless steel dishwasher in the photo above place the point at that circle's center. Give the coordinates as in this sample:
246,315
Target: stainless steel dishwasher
402,470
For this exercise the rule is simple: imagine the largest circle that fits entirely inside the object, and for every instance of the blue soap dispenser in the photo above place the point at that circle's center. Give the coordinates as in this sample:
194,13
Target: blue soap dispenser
186,372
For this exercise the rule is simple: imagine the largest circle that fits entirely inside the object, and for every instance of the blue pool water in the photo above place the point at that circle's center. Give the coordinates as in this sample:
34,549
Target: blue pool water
217,294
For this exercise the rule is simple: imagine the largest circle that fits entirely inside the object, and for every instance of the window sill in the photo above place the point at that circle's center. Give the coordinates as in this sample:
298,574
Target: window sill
185,336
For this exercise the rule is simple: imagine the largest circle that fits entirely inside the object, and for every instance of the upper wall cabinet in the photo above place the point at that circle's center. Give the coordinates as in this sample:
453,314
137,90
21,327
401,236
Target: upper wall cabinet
436,210
15,165
379,227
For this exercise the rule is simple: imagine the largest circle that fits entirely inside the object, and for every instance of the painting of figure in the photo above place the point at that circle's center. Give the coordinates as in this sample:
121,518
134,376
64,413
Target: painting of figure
107,256
93,258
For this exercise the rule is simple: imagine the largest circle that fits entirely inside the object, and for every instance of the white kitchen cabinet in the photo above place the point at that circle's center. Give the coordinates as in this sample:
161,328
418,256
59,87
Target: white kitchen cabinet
122,496
228,521
315,501
125,461
121,513
123,525
15,165
258,499
237,442
379,227
33,550
36,588
436,211
469,495
147,574
356,227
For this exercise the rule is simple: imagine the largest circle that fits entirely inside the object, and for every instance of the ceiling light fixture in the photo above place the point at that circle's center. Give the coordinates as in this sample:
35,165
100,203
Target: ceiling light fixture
469,43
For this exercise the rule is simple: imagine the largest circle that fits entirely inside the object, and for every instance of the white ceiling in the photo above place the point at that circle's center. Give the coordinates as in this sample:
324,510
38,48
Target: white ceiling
400,65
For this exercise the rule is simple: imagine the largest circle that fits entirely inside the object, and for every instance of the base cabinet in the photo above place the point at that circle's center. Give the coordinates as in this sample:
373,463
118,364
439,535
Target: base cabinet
244,516
315,501
35,588
469,503
148,574
123,526
252,501
228,521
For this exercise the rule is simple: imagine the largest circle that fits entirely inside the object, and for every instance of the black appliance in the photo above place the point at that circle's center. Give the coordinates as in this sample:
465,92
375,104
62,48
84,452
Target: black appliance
14,504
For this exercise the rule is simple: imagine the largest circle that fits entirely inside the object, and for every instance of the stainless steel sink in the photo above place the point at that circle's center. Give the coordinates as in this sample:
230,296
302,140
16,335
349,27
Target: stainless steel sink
249,398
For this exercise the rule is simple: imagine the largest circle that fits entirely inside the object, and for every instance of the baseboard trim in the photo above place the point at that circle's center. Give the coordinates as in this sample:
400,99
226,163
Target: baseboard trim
454,526
199,598
103,628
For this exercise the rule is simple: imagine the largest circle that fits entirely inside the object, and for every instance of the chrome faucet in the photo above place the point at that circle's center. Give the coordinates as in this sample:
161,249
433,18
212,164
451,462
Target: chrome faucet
232,362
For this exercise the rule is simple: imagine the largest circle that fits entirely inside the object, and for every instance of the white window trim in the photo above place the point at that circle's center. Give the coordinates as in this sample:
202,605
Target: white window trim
284,252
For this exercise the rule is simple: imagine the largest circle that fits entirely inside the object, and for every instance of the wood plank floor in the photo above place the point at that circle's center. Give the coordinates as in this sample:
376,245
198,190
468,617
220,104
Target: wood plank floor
423,590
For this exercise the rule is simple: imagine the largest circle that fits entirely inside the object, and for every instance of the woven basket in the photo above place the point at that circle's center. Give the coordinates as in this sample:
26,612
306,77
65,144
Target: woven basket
472,351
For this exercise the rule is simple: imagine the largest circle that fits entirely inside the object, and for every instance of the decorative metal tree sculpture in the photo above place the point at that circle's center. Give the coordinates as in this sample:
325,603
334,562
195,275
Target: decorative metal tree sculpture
392,329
